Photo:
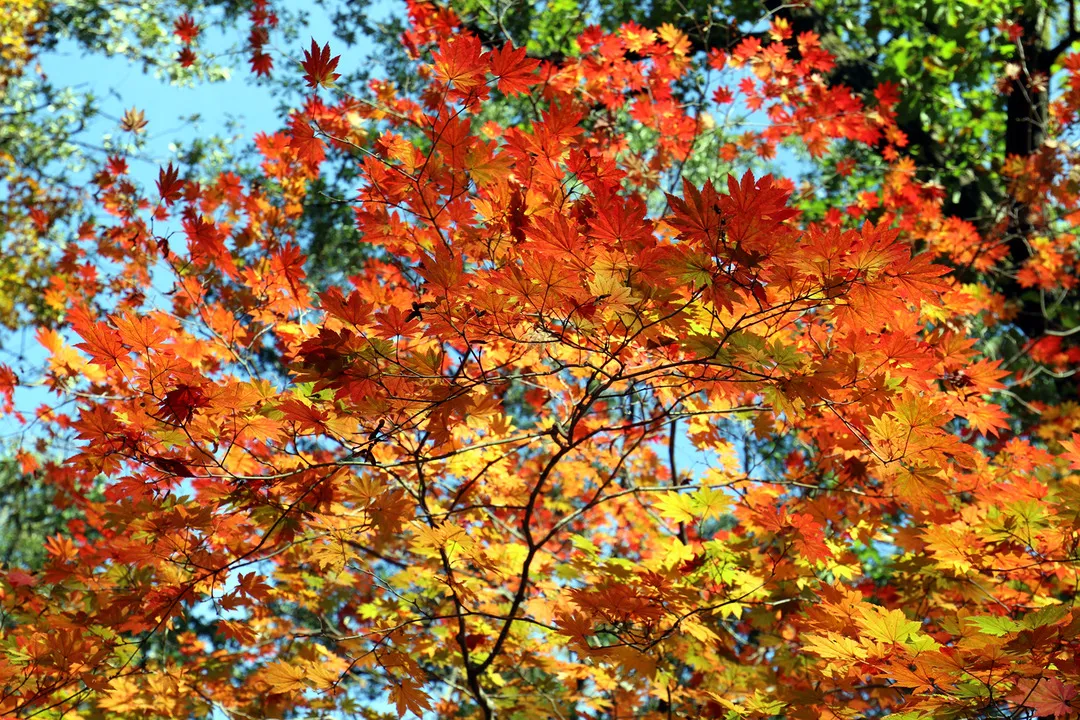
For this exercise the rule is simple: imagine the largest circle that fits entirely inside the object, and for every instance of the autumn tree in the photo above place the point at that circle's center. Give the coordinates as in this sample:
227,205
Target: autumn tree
591,430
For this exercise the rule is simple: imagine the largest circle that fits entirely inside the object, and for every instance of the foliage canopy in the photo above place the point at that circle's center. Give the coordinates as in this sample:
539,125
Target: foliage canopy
600,423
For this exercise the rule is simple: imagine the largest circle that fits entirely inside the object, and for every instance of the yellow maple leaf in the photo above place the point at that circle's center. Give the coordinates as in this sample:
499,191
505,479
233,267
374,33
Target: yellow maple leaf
409,698
834,647
676,39
323,675
121,696
889,626
676,506
710,503
616,295
283,677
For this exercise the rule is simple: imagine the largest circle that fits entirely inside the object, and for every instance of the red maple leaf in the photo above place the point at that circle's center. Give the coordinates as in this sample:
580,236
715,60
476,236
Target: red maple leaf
261,63
320,66
309,148
696,214
461,63
186,29
1048,697
187,57
169,184
515,71
8,381
20,578
101,341
170,466
116,166
180,403
206,242
722,95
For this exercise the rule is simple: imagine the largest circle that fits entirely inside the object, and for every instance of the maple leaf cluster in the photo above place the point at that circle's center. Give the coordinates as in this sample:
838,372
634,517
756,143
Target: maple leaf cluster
187,30
561,445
